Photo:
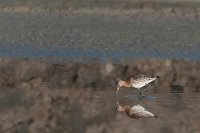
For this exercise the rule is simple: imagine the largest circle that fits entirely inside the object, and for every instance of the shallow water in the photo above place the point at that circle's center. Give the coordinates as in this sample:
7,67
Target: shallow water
176,110
170,99
57,96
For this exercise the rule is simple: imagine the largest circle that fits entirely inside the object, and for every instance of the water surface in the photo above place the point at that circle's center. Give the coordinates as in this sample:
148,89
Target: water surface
37,94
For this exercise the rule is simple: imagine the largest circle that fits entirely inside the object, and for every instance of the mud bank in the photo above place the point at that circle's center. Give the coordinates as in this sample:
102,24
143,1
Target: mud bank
112,7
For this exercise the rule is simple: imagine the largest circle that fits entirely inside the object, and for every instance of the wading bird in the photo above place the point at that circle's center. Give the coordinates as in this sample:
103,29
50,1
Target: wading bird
136,81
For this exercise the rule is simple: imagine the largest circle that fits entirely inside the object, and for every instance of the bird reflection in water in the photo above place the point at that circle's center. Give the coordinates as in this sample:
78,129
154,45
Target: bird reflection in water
135,111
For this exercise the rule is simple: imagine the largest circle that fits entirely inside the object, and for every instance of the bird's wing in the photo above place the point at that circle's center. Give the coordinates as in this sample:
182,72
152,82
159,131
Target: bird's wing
141,112
137,107
137,78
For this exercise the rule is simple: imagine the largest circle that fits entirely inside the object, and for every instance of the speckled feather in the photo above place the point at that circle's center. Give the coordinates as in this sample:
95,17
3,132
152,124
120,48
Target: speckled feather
138,77
137,111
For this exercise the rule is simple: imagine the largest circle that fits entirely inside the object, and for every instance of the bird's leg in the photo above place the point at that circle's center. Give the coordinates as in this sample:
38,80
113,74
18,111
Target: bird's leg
140,94
144,89
147,87
144,103
141,91
140,97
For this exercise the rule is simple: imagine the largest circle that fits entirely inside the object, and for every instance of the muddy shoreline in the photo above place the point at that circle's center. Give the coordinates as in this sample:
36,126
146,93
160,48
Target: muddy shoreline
166,8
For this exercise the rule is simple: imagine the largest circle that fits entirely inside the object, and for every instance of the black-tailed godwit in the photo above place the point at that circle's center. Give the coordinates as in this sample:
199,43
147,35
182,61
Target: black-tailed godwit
136,81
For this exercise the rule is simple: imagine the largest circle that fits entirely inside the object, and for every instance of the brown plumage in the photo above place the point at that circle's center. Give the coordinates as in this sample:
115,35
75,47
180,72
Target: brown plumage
136,111
136,81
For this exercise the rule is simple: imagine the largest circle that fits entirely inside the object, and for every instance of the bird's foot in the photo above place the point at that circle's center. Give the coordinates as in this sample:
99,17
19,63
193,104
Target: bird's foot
141,97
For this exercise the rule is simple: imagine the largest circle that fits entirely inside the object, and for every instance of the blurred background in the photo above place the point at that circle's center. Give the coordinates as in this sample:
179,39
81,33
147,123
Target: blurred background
60,60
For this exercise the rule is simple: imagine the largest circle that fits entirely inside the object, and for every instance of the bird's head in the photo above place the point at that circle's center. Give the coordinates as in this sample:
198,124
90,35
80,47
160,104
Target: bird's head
120,108
121,84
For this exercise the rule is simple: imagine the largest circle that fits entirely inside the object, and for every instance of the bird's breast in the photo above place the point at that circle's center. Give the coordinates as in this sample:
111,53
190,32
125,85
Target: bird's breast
138,84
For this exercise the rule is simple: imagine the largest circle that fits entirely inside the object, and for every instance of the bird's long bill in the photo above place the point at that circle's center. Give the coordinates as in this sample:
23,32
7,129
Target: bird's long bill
119,107
117,90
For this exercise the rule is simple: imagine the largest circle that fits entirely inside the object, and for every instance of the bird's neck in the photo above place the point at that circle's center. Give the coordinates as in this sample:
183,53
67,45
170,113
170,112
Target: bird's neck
127,109
127,84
